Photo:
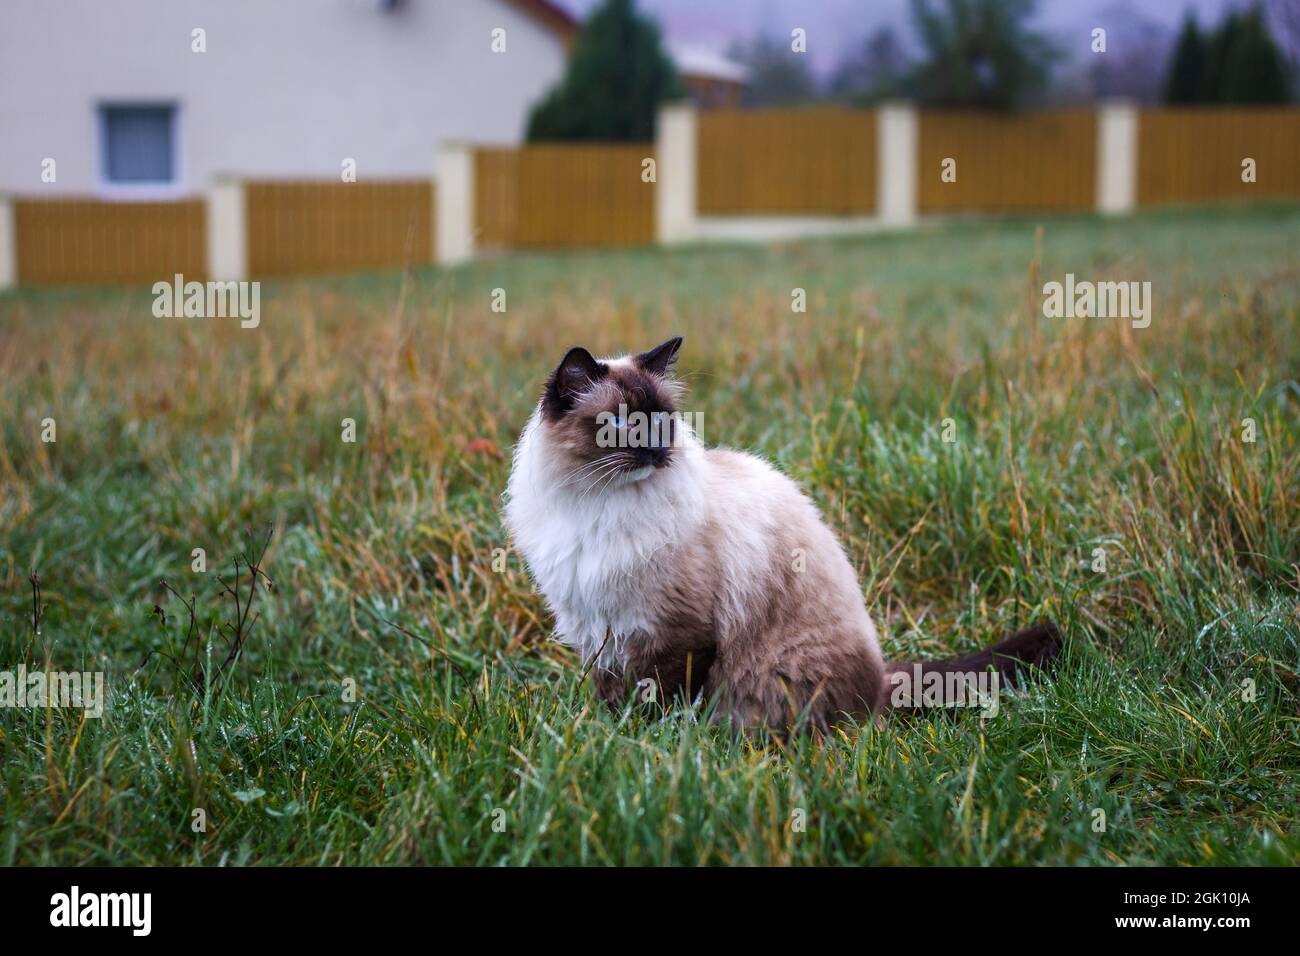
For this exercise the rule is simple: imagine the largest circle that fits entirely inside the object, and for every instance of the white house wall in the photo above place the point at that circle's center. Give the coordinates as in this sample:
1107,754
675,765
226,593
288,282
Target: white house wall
287,88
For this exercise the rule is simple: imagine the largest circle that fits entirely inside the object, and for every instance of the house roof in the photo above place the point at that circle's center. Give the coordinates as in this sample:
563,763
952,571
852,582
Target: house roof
695,62
550,14
701,63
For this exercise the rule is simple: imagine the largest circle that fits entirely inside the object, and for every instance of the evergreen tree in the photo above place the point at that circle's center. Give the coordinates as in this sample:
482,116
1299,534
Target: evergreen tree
1217,50
1254,71
1183,85
618,74
980,53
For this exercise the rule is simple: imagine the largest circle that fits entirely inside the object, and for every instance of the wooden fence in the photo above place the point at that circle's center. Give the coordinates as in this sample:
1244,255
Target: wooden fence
589,194
815,162
801,163
1035,161
89,241
1196,155
311,227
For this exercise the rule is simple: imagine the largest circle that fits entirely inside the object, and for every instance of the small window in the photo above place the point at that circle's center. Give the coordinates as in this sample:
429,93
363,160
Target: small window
139,144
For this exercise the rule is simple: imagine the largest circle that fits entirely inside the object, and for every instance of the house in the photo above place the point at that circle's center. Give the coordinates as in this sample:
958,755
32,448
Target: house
711,79
153,98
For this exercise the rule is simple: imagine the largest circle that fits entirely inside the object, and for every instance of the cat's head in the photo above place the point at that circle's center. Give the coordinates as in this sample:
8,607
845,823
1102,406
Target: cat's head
612,422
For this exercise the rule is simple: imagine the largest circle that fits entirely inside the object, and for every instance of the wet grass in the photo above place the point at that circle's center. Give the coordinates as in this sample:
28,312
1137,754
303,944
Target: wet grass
469,738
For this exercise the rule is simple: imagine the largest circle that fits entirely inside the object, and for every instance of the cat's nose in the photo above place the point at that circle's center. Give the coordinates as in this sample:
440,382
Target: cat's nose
658,457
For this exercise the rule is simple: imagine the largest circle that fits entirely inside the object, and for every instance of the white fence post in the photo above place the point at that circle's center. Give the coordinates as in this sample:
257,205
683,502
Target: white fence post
1117,157
896,160
675,145
8,244
227,230
454,204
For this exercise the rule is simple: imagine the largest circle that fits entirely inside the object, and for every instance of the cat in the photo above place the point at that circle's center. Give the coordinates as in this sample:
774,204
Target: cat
689,572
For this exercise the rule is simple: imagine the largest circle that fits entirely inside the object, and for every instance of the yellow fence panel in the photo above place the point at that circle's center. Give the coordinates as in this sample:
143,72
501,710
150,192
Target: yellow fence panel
313,227
1195,154
93,241
787,161
553,195
496,197
1027,162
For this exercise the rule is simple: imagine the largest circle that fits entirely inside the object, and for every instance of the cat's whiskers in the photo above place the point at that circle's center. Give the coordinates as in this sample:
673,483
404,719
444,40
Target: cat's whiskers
610,476
611,463
583,471
615,467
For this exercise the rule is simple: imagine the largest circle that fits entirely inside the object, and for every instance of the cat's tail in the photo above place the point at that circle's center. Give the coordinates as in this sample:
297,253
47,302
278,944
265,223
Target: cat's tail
969,680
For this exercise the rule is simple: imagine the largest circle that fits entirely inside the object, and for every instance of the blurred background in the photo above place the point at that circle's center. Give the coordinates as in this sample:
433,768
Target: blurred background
241,140
862,52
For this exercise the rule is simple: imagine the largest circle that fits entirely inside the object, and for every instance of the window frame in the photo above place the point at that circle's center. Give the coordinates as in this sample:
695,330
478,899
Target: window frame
140,190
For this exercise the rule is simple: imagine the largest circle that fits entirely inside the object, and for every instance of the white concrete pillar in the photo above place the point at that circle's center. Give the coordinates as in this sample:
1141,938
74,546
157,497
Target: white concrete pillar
8,244
675,157
227,230
1117,157
453,201
897,134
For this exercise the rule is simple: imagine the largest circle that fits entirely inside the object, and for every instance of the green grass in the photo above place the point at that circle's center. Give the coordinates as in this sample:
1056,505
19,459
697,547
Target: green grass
1072,435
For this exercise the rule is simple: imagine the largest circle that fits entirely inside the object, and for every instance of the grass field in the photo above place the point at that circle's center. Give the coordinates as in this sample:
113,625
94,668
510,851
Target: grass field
473,740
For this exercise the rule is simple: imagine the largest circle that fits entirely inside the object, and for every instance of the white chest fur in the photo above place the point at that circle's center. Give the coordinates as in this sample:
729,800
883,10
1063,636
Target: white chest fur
601,561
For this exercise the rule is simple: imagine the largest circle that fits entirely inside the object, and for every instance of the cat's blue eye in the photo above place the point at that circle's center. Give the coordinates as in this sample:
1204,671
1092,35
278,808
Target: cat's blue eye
617,421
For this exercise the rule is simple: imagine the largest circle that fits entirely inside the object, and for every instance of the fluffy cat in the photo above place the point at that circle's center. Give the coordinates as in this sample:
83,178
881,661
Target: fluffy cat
706,571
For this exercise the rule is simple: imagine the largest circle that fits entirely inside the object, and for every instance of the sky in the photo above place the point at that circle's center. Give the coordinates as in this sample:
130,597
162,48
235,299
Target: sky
833,26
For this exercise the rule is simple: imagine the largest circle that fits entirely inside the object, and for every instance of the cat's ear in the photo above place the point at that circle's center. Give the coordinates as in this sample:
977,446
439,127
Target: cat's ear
660,357
576,371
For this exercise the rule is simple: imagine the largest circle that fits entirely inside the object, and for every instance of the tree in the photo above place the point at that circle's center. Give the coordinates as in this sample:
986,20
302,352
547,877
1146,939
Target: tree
777,75
1237,63
1188,65
1253,70
874,71
618,74
980,53
1217,49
